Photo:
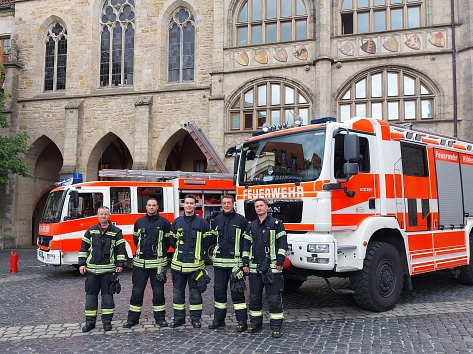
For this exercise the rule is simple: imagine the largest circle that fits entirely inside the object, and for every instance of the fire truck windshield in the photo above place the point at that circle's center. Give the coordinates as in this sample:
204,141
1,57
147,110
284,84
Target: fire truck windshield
52,210
296,157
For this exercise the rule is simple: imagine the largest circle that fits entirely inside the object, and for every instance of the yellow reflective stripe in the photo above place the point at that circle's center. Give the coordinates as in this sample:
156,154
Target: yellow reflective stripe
186,267
119,242
281,234
179,306
256,313
241,306
195,307
134,308
220,305
94,232
160,242
108,311
159,308
121,257
91,313
272,245
149,263
276,316
86,240
198,246
237,242
83,254
282,251
248,237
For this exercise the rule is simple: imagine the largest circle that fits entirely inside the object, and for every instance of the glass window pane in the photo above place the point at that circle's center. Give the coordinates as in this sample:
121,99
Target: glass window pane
413,17
380,21
424,90
377,110
427,109
285,31
270,8
262,95
376,87
360,89
248,121
409,86
249,99
396,19
360,110
301,30
275,117
256,11
345,113
302,99
304,113
236,104
256,35
363,22
300,8
379,2
275,94
289,95
396,1
271,33
235,121
347,4
393,110
347,95
243,17
409,110
393,87
362,3
242,33
286,8
261,118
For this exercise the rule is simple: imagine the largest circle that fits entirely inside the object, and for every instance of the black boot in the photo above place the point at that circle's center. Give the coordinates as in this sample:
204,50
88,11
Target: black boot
130,323
242,326
177,323
217,324
88,327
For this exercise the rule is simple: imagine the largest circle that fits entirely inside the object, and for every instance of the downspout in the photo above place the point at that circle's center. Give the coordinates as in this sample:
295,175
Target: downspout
454,71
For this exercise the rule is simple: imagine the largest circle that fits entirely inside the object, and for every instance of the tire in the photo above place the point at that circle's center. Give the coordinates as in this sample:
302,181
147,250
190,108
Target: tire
291,285
466,272
378,285
208,255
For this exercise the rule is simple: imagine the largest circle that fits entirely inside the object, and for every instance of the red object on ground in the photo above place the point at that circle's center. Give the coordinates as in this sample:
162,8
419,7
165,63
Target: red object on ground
13,262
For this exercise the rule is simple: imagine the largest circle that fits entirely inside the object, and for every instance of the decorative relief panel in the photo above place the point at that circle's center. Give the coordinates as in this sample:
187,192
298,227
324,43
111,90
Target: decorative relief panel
273,55
397,43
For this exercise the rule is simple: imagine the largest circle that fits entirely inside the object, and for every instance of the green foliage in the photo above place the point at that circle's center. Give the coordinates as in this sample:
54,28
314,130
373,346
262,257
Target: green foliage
11,149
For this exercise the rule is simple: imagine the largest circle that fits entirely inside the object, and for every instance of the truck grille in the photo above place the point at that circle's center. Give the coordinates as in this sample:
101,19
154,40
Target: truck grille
289,211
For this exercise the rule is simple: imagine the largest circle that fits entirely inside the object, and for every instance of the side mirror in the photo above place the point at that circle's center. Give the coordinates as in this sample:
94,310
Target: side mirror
236,162
351,147
350,169
231,151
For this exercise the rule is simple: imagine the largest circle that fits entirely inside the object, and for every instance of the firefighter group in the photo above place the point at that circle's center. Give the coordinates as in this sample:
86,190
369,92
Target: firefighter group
256,250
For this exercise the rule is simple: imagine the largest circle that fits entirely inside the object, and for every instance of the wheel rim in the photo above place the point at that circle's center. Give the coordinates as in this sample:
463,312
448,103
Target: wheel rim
386,278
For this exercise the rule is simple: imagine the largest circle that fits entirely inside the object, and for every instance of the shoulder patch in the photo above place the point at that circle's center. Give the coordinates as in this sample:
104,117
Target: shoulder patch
276,222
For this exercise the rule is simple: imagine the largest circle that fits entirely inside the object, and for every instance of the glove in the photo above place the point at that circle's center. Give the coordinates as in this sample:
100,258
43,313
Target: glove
201,278
115,286
161,274
268,276
264,266
237,280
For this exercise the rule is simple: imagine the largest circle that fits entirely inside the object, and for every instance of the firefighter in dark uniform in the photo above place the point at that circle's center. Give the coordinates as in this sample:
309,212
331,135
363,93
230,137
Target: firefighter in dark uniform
264,251
102,252
190,236
228,229
151,238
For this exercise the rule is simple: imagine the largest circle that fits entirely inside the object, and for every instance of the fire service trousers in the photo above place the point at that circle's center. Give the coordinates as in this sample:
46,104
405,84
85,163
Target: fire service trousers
140,279
221,279
273,293
93,285
179,281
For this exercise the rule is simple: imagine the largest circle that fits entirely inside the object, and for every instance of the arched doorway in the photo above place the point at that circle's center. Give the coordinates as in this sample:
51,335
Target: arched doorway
184,154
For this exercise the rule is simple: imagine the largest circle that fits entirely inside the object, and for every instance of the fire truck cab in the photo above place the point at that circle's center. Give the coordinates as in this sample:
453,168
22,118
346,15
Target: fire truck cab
363,199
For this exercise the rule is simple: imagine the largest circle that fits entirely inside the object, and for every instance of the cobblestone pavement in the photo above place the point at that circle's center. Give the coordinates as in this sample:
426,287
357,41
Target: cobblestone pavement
41,310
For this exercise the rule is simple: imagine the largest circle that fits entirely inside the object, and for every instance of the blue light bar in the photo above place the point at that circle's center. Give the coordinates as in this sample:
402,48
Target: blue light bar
323,120
258,133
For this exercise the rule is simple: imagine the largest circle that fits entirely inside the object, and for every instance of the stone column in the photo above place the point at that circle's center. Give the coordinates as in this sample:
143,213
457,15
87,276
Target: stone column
72,151
143,133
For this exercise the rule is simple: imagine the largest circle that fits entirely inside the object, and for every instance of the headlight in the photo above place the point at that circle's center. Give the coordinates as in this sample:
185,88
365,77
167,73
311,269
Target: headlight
51,256
318,248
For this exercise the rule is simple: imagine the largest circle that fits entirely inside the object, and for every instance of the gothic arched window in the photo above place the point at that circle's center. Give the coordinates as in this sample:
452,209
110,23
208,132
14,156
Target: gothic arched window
181,46
55,58
117,43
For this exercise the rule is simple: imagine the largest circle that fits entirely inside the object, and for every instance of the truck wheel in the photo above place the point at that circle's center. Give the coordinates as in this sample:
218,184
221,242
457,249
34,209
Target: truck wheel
378,285
291,285
466,272
208,255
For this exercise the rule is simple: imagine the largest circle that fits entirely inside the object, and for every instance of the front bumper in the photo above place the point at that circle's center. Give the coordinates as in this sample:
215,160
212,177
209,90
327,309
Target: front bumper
52,257
301,258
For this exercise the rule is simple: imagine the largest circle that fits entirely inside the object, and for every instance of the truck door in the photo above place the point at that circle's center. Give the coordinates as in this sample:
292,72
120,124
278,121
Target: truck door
417,191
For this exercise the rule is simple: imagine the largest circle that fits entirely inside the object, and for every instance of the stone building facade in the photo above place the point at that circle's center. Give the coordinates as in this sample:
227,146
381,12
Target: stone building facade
111,83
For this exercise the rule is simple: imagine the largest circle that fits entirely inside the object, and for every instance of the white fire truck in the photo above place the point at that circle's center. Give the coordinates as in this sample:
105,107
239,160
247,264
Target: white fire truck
71,209
363,199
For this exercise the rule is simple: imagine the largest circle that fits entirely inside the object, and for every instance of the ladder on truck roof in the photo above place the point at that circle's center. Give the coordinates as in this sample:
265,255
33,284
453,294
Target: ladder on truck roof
165,175
206,147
